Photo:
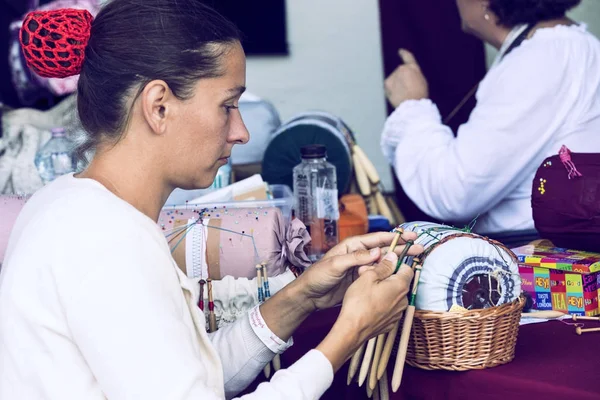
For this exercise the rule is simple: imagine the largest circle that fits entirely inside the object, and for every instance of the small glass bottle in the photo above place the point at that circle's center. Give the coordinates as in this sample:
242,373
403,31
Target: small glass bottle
56,157
316,197
223,177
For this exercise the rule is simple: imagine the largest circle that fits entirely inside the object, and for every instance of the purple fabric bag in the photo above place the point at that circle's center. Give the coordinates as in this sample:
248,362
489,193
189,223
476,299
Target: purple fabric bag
566,200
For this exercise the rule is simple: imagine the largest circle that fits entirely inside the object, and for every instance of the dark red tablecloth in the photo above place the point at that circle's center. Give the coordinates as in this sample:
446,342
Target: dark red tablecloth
551,362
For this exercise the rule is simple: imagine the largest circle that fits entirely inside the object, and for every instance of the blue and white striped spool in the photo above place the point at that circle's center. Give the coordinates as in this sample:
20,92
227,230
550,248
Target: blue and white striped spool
451,265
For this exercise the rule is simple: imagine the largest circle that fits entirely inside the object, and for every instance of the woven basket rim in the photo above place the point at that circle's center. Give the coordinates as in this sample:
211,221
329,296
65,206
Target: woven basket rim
492,312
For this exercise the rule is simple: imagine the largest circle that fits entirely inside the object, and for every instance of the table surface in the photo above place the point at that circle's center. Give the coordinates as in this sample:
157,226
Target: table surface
551,362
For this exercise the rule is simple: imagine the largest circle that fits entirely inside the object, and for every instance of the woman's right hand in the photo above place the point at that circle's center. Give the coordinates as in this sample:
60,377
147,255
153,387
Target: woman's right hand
372,305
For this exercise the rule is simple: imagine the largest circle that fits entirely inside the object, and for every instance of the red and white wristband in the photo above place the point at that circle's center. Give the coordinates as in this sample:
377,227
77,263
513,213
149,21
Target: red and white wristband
260,328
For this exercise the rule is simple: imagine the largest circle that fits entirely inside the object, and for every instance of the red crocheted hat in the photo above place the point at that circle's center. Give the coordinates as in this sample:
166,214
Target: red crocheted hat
54,41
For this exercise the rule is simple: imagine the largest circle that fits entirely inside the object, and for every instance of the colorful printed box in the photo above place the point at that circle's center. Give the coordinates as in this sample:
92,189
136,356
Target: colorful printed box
568,292
558,258
561,279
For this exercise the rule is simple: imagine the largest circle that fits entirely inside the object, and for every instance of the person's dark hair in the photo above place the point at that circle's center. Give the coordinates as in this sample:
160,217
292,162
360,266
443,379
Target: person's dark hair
133,42
511,13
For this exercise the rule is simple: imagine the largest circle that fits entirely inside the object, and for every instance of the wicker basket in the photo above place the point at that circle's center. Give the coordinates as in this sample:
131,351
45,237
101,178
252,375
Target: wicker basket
475,339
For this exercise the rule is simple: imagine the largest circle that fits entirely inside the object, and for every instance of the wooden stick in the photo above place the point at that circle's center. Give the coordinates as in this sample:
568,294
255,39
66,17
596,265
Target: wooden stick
382,205
391,339
384,392
376,393
212,318
361,177
580,331
372,205
259,283
406,328
367,165
277,363
398,216
201,299
366,363
356,358
368,351
399,232
402,348
387,351
369,391
576,317
360,352
266,295
376,358
544,314
267,370
267,289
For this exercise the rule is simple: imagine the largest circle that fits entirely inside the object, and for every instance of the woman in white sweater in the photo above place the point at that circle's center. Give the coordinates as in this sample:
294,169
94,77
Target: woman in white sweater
92,305
543,91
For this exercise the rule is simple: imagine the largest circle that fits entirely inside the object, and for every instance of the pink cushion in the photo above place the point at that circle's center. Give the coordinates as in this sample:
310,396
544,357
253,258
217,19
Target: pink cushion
10,206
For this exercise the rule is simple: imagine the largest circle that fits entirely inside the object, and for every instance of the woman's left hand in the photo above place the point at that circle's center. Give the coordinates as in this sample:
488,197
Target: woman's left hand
324,284
406,82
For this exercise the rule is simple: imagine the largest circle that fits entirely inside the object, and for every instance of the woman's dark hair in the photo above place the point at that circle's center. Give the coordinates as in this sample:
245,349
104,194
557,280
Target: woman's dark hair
133,42
511,13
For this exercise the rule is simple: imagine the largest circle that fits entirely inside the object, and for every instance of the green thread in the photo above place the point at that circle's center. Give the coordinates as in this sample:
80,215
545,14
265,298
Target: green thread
408,245
413,298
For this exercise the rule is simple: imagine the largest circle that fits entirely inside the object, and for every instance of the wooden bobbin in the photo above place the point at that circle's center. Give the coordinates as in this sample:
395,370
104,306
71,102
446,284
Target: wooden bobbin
580,331
366,363
405,336
277,363
387,351
355,362
375,365
212,318
577,317
384,391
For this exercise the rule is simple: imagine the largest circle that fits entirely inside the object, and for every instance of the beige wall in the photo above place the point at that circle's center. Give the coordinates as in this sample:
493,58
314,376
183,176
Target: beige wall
589,12
335,64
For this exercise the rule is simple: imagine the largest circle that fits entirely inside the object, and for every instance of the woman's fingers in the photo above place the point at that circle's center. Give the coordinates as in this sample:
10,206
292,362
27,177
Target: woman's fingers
342,263
414,250
385,268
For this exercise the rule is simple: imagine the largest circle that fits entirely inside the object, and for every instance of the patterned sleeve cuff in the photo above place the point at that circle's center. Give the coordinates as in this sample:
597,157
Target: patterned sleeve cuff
262,331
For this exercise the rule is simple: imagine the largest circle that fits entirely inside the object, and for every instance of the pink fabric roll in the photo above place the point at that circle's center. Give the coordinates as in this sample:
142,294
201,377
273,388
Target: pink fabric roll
10,207
276,242
235,240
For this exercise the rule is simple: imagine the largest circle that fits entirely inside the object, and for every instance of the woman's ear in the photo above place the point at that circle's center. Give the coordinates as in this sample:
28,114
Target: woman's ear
155,105
485,4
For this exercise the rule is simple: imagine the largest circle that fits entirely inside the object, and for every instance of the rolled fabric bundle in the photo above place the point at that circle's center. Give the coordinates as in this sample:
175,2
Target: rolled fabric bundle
230,242
226,245
463,269
10,207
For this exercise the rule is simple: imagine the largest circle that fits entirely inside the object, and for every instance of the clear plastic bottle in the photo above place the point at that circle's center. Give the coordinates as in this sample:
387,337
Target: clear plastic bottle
56,157
223,177
316,195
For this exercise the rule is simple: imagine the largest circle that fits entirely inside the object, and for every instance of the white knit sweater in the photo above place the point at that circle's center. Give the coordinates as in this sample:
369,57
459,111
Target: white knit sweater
93,306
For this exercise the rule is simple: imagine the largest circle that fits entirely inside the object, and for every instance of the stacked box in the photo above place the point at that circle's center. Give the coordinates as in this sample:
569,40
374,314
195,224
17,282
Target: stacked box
561,279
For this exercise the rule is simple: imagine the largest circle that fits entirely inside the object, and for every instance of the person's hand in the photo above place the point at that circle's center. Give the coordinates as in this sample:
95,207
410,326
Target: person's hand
324,284
406,82
376,300
371,306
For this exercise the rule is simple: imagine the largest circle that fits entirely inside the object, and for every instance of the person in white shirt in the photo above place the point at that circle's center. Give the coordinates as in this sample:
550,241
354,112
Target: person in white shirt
543,91
92,305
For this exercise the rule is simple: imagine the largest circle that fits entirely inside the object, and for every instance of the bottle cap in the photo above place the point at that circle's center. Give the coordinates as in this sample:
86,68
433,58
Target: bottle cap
58,132
313,151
